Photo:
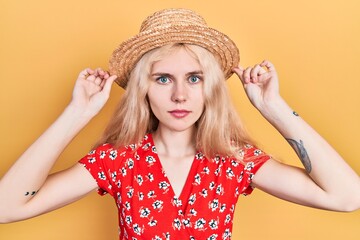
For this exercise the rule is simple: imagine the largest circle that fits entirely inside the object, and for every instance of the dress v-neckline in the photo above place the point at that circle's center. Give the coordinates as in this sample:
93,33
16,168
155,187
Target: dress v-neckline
185,191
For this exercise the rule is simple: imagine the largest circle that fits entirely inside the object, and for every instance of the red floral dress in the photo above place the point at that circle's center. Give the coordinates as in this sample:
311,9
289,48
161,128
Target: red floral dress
147,205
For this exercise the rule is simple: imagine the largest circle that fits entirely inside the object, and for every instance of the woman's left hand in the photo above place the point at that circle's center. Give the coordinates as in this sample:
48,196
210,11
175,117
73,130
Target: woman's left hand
261,84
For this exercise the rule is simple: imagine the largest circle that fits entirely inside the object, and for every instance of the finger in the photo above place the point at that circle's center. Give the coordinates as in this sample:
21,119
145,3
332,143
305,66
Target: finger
268,65
246,74
101,72
238,71
91,78
108,83
255,72
85,73
98,81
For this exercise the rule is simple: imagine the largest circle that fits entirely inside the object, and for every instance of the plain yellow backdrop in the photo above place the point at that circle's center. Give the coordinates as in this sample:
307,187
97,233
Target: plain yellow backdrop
314,45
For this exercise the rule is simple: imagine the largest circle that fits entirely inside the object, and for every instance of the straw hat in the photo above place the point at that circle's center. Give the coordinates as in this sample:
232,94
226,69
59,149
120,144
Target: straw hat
172,26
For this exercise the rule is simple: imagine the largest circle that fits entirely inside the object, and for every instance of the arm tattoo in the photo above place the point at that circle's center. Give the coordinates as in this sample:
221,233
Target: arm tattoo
301,152
31,193
295,113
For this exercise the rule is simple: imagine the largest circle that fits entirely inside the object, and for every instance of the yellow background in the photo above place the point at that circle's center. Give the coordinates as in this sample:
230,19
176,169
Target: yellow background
314,45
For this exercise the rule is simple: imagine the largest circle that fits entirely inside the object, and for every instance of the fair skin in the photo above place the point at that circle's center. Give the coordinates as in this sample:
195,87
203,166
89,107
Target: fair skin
315,187
178,107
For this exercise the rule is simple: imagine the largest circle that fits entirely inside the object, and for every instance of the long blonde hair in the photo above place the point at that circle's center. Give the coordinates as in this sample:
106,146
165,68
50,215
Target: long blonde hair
219,130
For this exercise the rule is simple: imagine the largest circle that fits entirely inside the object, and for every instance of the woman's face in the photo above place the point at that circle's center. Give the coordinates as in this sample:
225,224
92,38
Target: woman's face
176,91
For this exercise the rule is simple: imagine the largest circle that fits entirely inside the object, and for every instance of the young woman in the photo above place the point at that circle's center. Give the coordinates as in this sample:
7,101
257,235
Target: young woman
175,156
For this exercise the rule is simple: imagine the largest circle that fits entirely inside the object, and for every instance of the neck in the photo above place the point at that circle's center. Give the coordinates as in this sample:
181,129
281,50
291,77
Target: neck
175,144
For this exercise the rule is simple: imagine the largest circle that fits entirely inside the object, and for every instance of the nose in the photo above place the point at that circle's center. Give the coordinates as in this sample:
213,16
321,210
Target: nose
179,93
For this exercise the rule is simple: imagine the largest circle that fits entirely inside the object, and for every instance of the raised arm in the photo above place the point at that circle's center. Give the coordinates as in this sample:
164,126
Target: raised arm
327,181
26,190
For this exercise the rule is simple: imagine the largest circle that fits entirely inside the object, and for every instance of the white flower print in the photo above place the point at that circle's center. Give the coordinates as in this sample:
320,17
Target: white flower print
219,190
151,194
137,229
227,218
240,178
139,179
206,170
186,222
158,204
213,224
150,177
146,146
101,175
164,186
234,163
180,212
144,212
212,237
237,193
92,160
257,152
200,223
176,224
130,163
212,186
113,176
214,204
150,160
118,195
102,154
123,171
197,179
218,171
113,154
232,209
141,196
177,202
192,199
204,192
127,206
249,166
153,149
199,156
128,219
251,176
226,234
167,236
152,223
222,208
130,192
229,173
193,212
156,238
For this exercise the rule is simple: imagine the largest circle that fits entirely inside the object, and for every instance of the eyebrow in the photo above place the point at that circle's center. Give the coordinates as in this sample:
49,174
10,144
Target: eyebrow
199,72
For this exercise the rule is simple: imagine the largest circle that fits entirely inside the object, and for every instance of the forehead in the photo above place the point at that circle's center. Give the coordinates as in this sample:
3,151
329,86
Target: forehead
176,60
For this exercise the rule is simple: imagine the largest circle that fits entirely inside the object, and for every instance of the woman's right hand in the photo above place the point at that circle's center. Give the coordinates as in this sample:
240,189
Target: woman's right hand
92,90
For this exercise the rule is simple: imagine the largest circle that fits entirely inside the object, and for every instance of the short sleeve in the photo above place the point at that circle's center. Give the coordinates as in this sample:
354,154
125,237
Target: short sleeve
253,159
97,164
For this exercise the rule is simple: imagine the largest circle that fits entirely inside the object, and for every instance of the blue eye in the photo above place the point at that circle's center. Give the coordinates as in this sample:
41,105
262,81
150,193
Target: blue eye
194,79
162,79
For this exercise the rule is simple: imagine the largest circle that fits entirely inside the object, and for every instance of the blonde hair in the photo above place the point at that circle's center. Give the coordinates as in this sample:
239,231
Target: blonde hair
219,130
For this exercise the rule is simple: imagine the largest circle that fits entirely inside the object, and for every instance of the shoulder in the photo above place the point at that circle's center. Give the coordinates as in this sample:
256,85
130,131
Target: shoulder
250,153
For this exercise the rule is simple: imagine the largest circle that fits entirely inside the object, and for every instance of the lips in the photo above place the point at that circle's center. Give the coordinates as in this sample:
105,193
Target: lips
179,113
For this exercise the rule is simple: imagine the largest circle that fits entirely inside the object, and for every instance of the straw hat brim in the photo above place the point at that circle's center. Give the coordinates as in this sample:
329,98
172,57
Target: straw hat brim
125,57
